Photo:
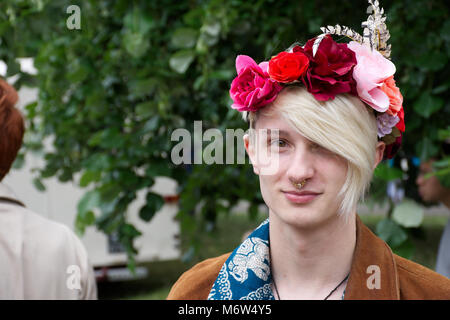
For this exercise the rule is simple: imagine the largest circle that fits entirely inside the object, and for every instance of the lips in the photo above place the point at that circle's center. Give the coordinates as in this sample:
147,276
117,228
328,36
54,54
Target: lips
304,196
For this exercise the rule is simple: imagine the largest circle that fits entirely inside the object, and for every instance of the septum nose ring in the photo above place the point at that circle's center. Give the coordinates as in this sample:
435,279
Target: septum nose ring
299,185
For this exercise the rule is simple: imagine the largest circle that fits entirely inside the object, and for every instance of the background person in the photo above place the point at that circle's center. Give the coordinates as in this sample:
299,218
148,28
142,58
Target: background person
39,258
431,191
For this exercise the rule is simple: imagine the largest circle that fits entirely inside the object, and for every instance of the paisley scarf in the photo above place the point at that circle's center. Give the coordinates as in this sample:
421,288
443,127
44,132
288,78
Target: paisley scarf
246,273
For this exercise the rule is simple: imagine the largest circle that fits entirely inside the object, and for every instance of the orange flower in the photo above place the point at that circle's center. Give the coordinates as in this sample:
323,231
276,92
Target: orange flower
395,97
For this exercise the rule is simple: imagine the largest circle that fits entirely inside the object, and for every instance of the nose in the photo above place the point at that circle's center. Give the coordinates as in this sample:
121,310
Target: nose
302,165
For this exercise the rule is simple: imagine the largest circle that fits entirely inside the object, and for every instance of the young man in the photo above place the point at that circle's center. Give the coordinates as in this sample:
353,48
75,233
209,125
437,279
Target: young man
331,112
39,258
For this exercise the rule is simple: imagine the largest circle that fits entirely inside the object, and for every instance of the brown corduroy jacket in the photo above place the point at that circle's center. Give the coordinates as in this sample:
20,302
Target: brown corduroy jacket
376,273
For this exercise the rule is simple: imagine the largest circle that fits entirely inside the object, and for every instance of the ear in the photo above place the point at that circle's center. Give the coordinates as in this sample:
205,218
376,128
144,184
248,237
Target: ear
250,148
379,153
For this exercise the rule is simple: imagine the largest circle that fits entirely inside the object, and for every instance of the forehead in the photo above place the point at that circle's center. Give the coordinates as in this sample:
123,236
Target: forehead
272,119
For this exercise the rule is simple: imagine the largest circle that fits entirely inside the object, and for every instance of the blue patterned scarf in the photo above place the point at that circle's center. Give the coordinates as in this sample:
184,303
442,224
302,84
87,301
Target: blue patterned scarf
246,273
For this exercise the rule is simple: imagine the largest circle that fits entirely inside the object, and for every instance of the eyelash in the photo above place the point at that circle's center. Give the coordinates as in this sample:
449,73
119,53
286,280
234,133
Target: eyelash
279,140
314,146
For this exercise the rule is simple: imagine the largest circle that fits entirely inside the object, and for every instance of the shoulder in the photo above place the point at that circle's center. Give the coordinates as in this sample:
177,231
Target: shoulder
196,283
51,234
419,282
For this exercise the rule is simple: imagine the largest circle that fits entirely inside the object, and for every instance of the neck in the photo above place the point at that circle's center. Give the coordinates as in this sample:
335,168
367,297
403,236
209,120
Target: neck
309,263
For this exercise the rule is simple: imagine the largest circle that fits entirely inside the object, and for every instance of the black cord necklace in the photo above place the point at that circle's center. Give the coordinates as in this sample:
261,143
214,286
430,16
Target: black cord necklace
326,298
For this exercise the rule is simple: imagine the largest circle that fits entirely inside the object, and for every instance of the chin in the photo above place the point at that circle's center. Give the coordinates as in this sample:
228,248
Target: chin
301,216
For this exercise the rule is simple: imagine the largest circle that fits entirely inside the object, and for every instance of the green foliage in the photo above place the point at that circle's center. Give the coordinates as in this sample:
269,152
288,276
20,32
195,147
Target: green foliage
111,93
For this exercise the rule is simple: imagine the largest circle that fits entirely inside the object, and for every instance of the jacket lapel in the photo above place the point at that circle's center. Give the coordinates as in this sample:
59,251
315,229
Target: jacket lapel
373,274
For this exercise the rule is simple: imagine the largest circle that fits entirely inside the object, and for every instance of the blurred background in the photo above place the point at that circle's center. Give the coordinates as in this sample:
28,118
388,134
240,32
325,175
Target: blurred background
103,84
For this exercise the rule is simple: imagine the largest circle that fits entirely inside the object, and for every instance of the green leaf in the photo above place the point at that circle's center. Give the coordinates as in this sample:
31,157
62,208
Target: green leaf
146,109
441,88
136,44
158,169
181,60
441,169
19,162
151,124
406,249
184,38
445,31
138,21
444,134
89,176
386,173
129,230
38,184
154,203
222,74
77,71
391,232
97,162
88,202
108,138
212,28
143,87
408,214
83,220
428,104
432,61
13,68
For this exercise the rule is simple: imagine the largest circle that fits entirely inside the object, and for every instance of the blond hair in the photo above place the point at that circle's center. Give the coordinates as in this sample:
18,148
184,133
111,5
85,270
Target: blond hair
344,125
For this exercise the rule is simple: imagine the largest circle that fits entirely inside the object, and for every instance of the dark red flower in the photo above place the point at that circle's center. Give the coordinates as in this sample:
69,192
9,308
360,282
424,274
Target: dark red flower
288,66
330,70
391,149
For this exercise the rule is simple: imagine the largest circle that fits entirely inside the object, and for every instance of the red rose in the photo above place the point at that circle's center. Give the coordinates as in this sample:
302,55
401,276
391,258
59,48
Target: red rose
331,69
288,66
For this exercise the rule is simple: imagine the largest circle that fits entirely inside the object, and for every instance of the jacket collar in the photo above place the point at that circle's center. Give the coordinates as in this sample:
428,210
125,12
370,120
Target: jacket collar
373,274
7,195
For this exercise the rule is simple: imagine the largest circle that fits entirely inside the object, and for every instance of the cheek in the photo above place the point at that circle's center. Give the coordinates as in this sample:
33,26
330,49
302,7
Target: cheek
268,191
334,173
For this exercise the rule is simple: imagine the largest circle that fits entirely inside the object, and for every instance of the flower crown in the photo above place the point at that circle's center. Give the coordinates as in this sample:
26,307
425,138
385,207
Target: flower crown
327,68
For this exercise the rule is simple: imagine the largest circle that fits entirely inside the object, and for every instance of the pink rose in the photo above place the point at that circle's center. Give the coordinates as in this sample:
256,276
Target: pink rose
370,73
252,89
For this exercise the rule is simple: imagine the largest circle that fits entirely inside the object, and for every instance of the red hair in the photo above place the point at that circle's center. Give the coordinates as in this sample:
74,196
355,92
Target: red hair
11,128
